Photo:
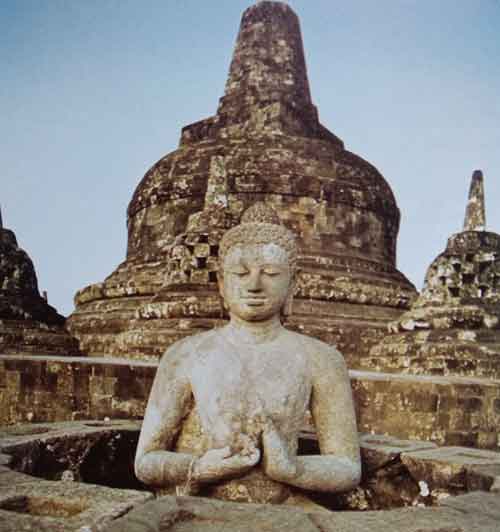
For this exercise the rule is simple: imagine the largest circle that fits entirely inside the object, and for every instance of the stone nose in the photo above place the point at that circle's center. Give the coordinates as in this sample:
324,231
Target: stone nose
254,281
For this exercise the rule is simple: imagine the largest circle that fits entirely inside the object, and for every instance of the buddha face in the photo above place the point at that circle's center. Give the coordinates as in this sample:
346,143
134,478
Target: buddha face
256,281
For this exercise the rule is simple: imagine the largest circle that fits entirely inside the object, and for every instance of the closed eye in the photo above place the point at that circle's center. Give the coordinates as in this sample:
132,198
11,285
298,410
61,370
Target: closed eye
271,272
240,272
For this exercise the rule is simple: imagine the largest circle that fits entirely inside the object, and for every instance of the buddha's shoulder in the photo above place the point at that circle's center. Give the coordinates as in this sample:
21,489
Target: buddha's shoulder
321,354
192,346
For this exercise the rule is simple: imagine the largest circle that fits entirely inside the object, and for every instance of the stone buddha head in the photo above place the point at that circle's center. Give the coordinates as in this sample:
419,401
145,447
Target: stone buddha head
257,266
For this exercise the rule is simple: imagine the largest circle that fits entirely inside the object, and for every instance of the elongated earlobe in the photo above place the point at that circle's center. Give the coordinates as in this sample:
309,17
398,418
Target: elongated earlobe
220,284
287,308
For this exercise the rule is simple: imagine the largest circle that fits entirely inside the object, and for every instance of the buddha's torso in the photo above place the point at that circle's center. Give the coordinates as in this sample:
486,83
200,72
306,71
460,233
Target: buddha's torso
233,394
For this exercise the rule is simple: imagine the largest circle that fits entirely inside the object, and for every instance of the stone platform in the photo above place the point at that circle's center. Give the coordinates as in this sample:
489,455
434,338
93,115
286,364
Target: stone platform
77,476
470,513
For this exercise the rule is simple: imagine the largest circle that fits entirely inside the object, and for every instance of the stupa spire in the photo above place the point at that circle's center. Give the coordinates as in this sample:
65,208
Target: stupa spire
267,89
268,63
475,217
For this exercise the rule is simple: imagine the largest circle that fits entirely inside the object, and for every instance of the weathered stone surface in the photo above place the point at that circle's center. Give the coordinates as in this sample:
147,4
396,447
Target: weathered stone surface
41,389
264,144
61,506
475,502
92,452
447,410
448,467
483,477
453,328
473,513
475,215
42,489
102,452
27,322
377,450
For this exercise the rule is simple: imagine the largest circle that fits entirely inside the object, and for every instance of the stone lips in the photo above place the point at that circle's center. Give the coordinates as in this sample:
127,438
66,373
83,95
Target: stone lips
264,144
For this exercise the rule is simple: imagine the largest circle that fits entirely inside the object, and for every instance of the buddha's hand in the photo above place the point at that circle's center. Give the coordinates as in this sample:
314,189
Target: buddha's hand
220,464
277,462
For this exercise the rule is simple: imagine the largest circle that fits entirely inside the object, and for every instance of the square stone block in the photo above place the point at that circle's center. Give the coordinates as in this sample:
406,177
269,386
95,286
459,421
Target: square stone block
202,250
180,252
199,276
212,264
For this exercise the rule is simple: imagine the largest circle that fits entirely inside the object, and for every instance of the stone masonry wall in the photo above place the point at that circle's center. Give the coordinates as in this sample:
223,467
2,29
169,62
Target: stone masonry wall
448,411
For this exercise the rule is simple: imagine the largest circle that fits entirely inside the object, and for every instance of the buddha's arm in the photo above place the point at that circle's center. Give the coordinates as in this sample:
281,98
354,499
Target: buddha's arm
338,468
168,404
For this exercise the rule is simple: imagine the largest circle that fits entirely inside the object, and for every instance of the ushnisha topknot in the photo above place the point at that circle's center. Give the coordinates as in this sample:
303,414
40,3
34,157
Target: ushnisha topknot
260,225
260,213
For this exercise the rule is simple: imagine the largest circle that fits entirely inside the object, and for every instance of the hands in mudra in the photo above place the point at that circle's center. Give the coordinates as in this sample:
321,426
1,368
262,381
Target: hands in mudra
221,464
236,460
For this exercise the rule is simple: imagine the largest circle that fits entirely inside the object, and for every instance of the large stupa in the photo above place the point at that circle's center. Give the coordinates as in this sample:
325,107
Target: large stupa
265,143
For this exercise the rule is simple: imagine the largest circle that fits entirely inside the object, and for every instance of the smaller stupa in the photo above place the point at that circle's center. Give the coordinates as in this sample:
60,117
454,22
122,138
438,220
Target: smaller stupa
28,324
453,328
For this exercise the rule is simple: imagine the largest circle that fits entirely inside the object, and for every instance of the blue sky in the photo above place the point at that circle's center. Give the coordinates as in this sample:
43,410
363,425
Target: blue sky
94,92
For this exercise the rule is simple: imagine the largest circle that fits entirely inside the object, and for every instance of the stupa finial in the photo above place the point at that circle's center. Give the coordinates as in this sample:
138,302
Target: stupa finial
475,217
268,62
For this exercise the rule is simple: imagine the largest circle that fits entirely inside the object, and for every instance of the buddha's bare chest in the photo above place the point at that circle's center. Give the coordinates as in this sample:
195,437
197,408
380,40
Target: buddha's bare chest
231,387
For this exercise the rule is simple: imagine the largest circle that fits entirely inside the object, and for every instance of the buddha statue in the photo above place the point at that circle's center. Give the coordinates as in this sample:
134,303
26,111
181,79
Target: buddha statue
227,405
